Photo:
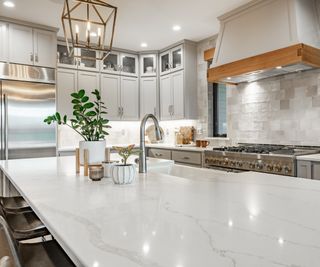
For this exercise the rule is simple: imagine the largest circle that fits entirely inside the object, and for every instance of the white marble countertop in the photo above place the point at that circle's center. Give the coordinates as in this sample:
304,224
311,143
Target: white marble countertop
312,157
236,220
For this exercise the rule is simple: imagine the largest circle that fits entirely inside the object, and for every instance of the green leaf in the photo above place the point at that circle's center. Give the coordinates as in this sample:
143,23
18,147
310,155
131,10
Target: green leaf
58,116
81,93
75,101
84,99
65,119
75,95
91,114
88,105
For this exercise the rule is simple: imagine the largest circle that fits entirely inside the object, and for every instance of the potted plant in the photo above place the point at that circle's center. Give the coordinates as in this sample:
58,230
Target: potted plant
88,122
124,173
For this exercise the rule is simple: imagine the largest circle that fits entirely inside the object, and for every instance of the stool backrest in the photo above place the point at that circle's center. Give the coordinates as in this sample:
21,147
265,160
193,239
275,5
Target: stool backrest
8,252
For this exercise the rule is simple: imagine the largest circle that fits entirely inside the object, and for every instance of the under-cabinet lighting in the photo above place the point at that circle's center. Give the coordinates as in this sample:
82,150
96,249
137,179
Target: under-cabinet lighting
8,4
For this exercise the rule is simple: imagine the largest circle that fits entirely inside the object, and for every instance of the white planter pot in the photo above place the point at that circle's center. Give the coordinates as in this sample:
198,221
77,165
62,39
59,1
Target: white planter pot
96,151
107,168
123,174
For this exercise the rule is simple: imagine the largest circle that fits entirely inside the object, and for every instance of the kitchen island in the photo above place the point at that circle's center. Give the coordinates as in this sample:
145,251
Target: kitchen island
244,220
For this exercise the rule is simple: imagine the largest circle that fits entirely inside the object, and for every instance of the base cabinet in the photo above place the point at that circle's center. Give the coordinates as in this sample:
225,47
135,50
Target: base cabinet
308,169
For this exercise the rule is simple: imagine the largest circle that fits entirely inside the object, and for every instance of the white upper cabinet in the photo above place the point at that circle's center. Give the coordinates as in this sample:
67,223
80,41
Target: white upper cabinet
111,64
166,101
21,44
148,96
110,94
64,60
129,65
66,84
3,42
172,60
32,46
148,65
177,95
87,59
89,81
129,98
45,43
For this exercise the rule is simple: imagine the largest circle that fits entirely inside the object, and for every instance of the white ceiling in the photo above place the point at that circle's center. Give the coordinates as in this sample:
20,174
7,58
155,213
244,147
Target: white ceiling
139,21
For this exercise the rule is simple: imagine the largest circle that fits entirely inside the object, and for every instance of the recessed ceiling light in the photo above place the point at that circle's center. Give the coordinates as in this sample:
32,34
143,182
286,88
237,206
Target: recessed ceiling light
229,78
144,45
279,67
176,28
8,4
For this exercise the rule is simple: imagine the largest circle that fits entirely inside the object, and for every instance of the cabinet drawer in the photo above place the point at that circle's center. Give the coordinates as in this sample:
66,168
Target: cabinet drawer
159,153
187,157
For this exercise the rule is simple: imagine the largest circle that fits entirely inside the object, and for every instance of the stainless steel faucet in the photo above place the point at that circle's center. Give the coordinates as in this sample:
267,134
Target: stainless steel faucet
142,157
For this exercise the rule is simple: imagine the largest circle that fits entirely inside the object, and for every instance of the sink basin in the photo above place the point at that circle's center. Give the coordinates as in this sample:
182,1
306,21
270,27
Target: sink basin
188,172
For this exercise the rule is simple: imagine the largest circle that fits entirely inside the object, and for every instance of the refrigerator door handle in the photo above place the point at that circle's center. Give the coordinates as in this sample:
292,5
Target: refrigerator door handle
6,148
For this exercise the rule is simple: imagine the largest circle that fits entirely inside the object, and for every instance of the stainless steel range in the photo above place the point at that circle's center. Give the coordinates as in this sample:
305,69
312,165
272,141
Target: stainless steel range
275,159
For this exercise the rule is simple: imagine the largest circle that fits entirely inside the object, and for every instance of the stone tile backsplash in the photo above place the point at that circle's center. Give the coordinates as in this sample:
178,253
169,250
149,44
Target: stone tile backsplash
280,110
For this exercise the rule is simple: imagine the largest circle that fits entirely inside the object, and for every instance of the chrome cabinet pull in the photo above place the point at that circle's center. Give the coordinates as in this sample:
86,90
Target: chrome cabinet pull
31,57
158,154
186,158
119,111
36,58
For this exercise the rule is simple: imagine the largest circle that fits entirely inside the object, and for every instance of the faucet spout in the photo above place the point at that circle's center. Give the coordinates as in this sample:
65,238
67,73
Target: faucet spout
142,156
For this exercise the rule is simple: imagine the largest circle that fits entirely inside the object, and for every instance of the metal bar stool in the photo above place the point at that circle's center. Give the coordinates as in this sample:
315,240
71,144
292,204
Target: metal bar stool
14,204
24,225
43,254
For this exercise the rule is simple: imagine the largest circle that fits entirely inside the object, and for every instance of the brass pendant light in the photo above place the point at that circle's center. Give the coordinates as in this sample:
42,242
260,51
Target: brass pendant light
89,24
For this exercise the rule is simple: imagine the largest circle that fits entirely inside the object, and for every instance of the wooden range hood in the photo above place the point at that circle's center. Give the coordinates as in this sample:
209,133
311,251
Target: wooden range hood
266,38
294,58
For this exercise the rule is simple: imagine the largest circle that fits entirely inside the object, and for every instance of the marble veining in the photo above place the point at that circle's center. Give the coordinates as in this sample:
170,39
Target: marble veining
229,220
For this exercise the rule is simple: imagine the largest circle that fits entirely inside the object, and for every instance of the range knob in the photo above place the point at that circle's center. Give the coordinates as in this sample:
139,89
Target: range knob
277,168
269,167
239,164
232,163
226,162
252,165
287,169
259,166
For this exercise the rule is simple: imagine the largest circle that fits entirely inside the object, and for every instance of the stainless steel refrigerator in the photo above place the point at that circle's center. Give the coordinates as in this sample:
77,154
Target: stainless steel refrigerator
27,97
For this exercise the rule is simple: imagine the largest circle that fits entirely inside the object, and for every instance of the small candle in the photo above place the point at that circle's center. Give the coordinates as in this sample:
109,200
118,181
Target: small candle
77,34
99,37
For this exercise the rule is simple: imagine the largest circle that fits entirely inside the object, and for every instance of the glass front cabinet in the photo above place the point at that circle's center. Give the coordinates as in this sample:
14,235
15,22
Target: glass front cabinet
87,59
63,58
121,63
111,64
171,60
148,65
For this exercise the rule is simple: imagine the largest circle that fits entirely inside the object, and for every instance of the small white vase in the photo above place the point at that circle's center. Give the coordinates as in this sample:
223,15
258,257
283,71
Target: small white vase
96,151
123,174
107,168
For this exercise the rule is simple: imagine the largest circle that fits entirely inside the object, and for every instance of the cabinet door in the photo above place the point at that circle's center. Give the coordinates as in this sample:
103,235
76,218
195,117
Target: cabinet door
110,95
3,42
64,60
87,59
316,171
45,48
304,169
148,96
178,95
165,62
165,97
129,65
177,58
66,84
130,98
111,64
89,81
148,65
21,44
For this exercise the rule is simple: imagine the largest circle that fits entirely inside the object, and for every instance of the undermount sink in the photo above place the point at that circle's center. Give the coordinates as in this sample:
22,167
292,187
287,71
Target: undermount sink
188,172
